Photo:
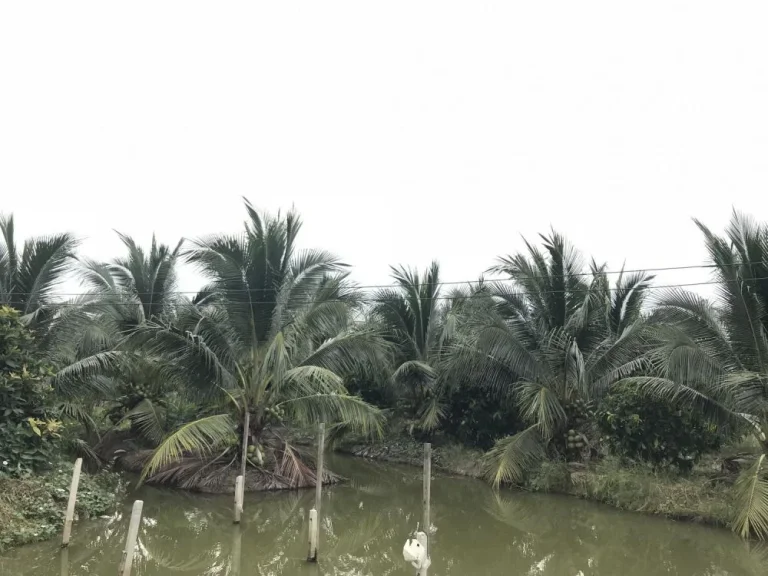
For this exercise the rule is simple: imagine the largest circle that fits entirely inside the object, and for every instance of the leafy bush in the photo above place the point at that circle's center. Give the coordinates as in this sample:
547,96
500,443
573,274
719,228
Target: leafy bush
641,428
640,488
551,477
28,430
32,508
477,418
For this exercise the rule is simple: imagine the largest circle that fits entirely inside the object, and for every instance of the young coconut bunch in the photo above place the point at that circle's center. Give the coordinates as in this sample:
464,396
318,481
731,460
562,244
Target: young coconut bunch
266,347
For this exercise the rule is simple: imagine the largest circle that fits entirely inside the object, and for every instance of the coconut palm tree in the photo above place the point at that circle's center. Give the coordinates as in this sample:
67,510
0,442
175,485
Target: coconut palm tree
410,317
423,321
121,295
558,337
713,356
29,279
267,344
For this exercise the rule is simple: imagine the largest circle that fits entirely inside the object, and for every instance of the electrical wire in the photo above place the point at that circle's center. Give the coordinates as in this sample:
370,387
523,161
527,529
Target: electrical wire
111,298
456,282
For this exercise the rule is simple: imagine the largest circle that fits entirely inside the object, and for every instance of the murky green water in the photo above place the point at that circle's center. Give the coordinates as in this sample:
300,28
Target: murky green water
366,523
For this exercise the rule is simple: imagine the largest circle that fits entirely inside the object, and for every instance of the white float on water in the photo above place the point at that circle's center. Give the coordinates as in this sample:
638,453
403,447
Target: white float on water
415,551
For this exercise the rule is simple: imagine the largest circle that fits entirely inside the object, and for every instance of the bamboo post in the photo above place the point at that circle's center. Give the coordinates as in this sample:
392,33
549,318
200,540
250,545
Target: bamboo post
319,479
314,514
246,437
313,535
426,497
70,516
237,544
64,562
239,494
130,541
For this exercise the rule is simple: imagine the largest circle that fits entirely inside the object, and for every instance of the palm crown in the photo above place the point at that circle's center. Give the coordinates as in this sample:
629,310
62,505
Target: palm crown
557,338
28,279
714,356
269,341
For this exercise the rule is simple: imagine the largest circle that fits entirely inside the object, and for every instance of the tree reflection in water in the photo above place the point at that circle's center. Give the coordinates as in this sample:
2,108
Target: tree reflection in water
364,526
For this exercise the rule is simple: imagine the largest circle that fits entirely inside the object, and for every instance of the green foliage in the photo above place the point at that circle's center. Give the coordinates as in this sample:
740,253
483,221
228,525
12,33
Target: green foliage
712,356
30,276
516,367
271,336
751,500
640,488
639,427
550,477
32,508
476,418
29,430
409,316
556,337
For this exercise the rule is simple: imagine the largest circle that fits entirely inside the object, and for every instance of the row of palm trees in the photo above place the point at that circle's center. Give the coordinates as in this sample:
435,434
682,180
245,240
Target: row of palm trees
272,342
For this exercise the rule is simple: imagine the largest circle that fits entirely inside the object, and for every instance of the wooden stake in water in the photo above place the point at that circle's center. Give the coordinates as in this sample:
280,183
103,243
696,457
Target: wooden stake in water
237,543
313,535
314,514
70,516
246,438
130,542
239,495
426,497
319,479
64,562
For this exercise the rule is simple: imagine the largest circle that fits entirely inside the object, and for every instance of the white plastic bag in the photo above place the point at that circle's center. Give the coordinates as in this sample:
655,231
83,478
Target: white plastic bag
415,551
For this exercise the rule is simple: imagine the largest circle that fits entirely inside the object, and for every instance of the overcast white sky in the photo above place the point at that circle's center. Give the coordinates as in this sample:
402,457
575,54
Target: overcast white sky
402,131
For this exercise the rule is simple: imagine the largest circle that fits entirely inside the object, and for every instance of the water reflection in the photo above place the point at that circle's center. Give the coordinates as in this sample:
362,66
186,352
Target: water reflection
237,545
366,522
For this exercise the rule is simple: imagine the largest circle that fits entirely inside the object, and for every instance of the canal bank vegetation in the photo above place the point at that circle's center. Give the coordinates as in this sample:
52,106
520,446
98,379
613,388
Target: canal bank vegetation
32,507
558,367
35,428
702,495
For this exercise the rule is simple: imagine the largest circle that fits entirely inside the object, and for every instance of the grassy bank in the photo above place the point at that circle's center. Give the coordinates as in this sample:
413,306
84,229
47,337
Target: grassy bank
32,509
452,458
697,497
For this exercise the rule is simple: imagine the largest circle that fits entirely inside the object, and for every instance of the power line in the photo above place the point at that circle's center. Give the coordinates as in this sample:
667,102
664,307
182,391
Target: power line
451,283
110,299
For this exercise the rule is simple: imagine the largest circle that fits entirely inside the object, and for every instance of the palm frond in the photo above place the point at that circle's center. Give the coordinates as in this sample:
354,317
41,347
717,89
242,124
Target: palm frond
685,396
201,437
44,262
541,406
431,414
350,352
414,369
79,413
187,354
148,419
334,407
512,457
751,501
83,450
82,376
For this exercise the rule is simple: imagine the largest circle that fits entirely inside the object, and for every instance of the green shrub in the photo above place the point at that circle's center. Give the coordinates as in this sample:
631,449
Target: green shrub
641,428
551,477
640,488
32,508
29,431
477,418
